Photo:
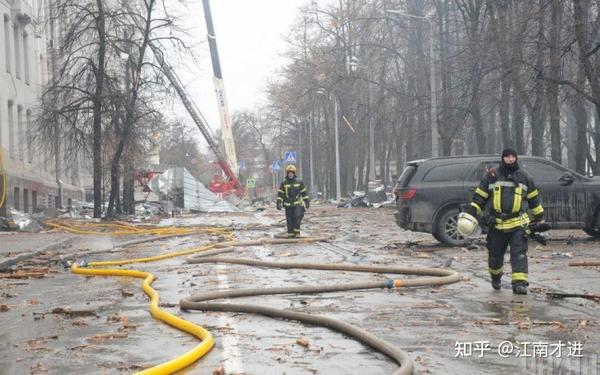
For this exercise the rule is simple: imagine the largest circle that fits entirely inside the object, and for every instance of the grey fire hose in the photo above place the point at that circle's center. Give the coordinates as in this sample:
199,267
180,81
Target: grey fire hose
198,301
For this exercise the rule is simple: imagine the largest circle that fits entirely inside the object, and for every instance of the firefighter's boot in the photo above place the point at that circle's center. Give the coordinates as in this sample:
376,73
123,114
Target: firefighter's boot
497,282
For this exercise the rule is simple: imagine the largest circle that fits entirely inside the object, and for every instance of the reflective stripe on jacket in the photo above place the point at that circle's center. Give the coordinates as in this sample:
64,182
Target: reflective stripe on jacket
292,193
507,193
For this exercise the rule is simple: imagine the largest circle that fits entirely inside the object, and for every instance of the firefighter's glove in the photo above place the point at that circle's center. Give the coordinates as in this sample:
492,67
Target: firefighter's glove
279,206
469,209
539,226
306,204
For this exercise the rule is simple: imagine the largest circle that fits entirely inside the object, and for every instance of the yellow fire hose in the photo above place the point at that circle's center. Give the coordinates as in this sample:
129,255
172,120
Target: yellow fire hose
118,228
200,301
207,340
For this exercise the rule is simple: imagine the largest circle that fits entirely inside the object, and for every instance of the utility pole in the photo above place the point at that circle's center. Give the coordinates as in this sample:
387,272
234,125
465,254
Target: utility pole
338,189
371,139
312,169
435,148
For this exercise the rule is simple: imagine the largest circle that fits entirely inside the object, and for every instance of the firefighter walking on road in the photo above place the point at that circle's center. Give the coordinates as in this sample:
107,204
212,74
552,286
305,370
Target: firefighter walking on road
508,188
293,196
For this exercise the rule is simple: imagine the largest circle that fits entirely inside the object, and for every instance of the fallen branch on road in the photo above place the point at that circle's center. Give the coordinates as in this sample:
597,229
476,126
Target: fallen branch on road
585,263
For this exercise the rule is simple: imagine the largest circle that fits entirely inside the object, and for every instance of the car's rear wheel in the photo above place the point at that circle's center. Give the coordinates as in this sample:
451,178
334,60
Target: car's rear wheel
446,230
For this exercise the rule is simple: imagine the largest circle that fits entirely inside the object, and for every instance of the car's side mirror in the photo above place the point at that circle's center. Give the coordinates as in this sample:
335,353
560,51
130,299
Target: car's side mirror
566,179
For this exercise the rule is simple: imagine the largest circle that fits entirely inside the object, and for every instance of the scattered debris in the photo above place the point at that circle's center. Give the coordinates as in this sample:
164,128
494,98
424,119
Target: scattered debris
22,222
558,254
219,371
72,313
593,297
38,368
37,273
168,305
302,342
585,263
36,345
4,308
103,337
497,322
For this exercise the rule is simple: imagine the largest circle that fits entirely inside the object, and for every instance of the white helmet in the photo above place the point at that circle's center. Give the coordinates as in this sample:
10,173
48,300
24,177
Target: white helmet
467,225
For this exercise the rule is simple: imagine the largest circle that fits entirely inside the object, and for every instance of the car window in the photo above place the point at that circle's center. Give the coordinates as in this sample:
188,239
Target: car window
541,171
448,172
406,175
481,170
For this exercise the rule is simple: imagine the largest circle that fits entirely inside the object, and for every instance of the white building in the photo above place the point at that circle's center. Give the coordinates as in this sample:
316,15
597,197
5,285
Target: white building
24,69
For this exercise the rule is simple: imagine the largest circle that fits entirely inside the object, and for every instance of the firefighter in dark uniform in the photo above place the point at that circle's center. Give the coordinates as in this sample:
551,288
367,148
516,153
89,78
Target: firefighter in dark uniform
508,188
293,196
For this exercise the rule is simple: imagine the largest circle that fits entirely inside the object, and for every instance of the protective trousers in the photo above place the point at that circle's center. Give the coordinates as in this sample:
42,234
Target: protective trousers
497,243
293,216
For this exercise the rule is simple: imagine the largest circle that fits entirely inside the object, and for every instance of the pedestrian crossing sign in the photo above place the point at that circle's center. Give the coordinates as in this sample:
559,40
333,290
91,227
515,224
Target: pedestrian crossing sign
276,166
290,157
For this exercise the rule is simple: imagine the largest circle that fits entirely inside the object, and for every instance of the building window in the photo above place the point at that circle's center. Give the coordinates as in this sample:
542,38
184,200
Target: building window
17,199
26,201
29,136
34,201
20,133
7,54
11,130
26,55
17,48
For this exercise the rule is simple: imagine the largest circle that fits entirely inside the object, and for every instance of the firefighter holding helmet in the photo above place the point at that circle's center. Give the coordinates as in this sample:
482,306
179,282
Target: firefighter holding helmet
293,196
510,191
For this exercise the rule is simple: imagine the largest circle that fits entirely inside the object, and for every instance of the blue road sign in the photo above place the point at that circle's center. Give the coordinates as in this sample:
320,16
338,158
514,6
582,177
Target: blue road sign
276,166
242,164
290,157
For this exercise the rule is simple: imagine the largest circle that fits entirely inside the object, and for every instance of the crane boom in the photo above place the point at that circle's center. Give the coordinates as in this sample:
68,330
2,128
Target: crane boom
233,185
226,132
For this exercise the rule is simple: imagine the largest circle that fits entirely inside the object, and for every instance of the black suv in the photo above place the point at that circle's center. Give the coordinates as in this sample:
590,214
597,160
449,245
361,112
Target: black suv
429,192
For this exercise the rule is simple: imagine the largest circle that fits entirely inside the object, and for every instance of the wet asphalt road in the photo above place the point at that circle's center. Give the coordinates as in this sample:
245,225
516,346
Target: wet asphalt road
429,323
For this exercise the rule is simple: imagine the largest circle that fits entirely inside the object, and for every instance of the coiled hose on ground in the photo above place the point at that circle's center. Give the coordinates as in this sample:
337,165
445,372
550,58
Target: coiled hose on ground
206,338
198,301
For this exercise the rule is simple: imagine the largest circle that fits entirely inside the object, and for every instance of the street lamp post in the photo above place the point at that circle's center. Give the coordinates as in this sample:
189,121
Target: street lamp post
432,82
323,91
310,155
337,147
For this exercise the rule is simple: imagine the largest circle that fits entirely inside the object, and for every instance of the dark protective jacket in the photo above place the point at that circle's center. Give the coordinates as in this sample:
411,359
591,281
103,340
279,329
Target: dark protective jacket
292,193
508,191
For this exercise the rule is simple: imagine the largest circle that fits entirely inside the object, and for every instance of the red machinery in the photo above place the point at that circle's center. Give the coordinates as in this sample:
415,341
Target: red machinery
229,185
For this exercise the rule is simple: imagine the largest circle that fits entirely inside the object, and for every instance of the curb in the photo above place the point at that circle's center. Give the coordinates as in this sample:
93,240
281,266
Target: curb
6,264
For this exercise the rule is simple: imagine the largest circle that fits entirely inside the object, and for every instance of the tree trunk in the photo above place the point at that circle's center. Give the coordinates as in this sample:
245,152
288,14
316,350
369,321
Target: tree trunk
97,110
536,113
580,14
552,86
128,187
518,122
505,110
130,109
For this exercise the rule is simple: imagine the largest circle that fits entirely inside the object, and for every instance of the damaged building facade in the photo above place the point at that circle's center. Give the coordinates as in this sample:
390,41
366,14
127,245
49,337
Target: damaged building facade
25,67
